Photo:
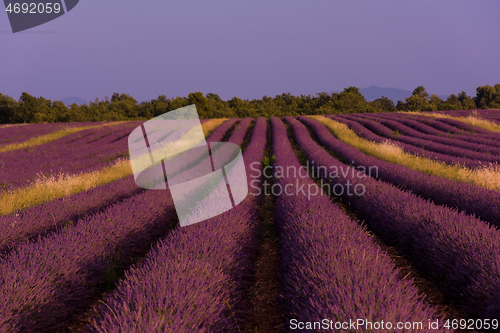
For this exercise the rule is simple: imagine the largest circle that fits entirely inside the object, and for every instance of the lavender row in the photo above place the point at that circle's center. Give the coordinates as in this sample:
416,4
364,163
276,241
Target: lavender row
458,252
194,279
365,133
474,129
486,145
200,191
195,162
411,145
472,199
441,126
218,134
467,140
39,220
330,267
60,272
465,131
452,125
458,127
465,113
80,152
20,133
392,130
42,219
463,127
43,284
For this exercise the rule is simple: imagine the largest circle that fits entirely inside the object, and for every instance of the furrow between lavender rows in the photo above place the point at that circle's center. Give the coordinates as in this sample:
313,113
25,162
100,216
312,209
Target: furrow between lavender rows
473,199
458,252
196,278
330,267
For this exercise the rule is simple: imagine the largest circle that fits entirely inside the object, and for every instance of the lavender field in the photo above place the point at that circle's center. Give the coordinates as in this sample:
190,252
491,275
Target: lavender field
374,218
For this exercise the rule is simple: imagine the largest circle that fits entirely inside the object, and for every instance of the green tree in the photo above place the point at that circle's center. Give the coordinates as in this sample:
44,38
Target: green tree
218,108
160,105
451,103
488,97
383,104
401,106
8,109
200,101
418,101
466,101
434,102
121,107
351,101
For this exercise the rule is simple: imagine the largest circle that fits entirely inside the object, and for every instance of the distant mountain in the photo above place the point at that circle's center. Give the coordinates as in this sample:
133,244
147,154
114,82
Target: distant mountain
373,92
70,100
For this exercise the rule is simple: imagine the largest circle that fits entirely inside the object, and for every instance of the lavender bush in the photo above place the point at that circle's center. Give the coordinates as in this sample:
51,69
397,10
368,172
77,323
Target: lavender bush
330,267
195,278
473,199
460,253
366,133
398,132
84,151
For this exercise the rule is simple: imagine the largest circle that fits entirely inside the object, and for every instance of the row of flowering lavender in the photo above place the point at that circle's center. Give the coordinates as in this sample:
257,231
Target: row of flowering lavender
472,199
198,195
219,133
466,113
43,284
22,132
194,280
31,222
460,253
406,127
26,224
491,114
420,123
198,159
396,132
467,127
369,134
330,267
60,273
465,124
80,152
439,125
459,127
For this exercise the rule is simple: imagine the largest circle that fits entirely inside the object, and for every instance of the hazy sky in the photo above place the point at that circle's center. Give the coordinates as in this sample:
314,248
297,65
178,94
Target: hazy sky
253,48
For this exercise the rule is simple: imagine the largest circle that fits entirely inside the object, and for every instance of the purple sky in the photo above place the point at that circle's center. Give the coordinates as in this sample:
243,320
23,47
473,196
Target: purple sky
253,48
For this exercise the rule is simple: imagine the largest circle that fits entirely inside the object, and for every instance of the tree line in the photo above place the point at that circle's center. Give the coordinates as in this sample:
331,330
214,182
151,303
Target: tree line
30,109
